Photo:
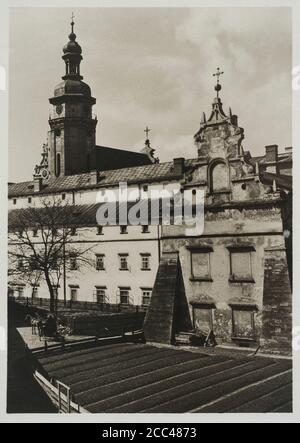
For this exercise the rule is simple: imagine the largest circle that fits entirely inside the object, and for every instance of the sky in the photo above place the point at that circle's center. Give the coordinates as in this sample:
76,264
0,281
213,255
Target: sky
152,66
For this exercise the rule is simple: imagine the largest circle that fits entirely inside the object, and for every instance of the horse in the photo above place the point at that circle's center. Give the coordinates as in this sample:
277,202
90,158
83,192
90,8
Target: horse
36,325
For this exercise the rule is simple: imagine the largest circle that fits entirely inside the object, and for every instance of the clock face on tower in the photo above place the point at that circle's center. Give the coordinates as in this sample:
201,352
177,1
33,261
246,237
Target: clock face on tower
45,173
59,109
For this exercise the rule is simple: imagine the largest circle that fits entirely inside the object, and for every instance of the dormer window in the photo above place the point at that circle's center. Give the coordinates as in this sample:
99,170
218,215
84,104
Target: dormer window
123,230
99,230
73,232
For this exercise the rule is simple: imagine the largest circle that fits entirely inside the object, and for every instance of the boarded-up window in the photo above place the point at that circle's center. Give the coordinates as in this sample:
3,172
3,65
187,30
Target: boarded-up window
203,322
243,323
241,268
200,264
220,177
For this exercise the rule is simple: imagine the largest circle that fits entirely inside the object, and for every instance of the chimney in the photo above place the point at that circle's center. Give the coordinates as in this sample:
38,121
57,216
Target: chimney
271,153
271,158
179,166
94,177
37,183
289,150
234,120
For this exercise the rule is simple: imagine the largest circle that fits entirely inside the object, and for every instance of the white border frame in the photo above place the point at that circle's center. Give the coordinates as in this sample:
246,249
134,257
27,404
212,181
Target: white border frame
142,418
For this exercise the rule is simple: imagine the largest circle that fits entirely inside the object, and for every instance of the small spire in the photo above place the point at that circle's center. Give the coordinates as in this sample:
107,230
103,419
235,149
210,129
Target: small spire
218,87
72,23
72,55
36,170
256,168
147,130
148,150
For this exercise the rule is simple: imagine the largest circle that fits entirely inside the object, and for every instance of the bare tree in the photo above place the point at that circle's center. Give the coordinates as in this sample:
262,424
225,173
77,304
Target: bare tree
41,245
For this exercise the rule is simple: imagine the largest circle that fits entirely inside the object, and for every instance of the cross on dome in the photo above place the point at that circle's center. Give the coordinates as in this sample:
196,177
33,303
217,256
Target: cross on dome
218,87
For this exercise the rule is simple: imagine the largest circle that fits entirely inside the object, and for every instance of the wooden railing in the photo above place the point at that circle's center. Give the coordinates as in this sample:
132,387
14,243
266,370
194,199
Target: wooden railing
63,401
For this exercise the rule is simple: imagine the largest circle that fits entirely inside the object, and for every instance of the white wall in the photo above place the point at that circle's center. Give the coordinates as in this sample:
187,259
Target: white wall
111,244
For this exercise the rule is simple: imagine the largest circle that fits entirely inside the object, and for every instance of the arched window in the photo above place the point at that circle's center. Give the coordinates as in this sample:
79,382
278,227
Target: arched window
219,177
57,167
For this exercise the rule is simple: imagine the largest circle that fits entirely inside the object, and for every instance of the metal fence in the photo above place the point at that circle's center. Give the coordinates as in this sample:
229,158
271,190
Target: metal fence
80,305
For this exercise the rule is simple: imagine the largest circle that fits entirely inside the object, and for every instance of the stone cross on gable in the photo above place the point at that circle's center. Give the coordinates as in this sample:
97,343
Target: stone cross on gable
147,130
218,87
218,74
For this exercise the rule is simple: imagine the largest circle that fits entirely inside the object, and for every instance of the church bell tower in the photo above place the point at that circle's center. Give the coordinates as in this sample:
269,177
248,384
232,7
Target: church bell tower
72,135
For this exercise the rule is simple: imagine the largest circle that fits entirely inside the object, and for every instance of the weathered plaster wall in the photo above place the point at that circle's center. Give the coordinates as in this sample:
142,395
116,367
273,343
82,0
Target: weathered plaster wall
277,303
260,228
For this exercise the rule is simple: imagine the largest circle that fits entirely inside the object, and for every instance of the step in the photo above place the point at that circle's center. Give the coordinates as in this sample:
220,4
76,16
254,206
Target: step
184,338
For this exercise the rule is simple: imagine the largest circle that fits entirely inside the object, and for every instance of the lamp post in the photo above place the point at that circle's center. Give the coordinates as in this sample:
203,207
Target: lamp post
64,269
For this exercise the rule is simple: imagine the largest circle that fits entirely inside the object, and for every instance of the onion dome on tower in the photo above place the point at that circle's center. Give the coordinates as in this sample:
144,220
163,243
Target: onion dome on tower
72,56
72,80
72,135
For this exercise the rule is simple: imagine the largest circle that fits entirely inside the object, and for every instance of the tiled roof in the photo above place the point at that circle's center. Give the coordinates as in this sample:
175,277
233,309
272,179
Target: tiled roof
79,215
82,215
282,157
131,175
139,174
112,158
284,182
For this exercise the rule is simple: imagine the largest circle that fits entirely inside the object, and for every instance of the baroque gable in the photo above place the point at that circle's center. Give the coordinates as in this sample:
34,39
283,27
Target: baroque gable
225,171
